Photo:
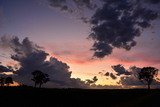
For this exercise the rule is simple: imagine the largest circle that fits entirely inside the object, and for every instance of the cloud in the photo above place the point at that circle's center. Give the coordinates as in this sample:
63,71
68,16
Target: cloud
114,25
120,70
71,5
113,76
76,7
132,80
32,57
93,81
152,1
61,4
117,23
4,69
135,70
107,74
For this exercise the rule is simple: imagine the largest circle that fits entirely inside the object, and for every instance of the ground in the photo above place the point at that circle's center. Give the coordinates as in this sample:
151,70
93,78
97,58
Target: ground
34,97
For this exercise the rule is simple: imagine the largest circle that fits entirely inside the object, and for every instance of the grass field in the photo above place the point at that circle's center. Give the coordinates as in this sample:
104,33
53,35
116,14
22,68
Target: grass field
34,97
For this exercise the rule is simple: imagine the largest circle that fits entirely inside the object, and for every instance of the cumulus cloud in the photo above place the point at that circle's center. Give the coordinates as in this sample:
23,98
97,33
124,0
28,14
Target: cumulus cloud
118,22
120,70
32,57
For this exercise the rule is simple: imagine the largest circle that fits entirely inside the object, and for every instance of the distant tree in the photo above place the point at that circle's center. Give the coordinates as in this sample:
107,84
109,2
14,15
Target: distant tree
147,75
8,81
2,81
39,78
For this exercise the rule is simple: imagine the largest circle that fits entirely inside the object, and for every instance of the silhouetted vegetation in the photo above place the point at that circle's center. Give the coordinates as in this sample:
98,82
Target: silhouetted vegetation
2,80
39,78
36,97
147,75
8,81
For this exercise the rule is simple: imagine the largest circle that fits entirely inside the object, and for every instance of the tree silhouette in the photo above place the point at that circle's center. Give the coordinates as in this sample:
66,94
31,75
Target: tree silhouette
8,81
39,78
147,75
2,80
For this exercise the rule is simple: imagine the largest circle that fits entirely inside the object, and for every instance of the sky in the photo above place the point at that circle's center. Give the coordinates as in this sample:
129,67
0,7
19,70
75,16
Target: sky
64,36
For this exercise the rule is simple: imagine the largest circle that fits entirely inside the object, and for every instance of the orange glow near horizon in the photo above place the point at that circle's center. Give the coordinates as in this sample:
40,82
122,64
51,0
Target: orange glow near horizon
83,66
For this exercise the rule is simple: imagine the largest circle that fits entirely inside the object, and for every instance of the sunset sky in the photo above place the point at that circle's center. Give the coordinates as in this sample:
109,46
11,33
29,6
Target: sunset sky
64,36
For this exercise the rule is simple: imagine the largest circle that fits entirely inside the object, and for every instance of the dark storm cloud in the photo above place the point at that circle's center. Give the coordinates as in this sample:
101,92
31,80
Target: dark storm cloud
118,22
31,57
120,70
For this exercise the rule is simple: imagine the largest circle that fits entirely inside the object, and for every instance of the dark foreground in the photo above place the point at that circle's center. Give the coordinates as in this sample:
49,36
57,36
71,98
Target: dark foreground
31,97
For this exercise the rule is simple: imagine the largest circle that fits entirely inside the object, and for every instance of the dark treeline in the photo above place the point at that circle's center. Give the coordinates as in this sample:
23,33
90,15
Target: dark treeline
36,97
